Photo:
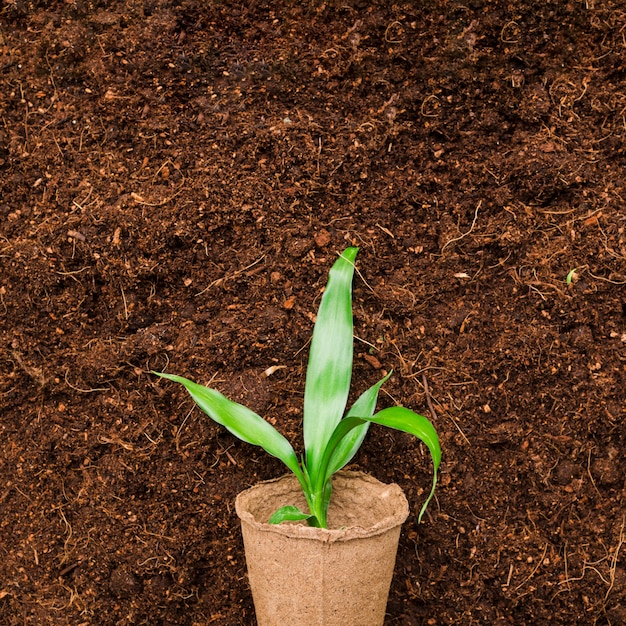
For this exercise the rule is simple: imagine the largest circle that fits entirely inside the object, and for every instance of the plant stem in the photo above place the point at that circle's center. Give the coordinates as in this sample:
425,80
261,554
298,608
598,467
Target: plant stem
317,507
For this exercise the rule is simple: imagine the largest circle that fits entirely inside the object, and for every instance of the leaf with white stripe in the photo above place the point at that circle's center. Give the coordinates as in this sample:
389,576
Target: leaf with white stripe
330,361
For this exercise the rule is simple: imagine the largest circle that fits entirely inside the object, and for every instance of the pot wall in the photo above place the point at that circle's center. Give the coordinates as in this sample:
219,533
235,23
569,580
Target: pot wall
323,577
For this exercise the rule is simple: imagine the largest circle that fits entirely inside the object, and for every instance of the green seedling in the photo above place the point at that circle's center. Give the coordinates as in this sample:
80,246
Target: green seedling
331,436
571,276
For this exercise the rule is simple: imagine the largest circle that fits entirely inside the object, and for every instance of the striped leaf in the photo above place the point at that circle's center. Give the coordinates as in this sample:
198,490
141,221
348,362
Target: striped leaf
330,361
240,421
399,418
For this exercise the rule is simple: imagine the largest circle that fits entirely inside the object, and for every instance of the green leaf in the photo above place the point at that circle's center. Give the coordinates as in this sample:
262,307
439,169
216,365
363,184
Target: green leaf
415,424
570,276
240,421
288,514
330,362
351,442
399,418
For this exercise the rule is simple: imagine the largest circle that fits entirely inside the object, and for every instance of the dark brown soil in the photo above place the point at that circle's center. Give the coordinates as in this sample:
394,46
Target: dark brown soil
177,178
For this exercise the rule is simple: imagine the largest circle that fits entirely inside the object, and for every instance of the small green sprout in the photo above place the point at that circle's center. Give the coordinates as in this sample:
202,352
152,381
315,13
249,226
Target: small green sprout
571,276
331,439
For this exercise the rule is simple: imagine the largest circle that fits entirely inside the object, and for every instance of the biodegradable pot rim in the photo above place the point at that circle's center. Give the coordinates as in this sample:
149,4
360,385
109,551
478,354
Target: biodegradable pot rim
300,530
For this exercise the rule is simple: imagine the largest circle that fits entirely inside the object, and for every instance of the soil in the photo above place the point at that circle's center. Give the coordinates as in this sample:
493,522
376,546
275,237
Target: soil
176,180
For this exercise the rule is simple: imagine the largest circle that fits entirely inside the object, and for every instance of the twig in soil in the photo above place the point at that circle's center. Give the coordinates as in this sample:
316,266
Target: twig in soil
574,272
364,281
432,408
455,423
302,348
613,560
591,565
534,284
69,384
424,109
567,578
163,165
394,400
319,152
468,232
406,369
180,428
610,251
367,343
593,482
70,568
543,556
533,287
68,529
157,535
81,205
566,212
508,579
395,24
219,281
428,398
386,230
607,280
506,37
124,301
71,274
230,456
116,441
74,598
138,198
36,373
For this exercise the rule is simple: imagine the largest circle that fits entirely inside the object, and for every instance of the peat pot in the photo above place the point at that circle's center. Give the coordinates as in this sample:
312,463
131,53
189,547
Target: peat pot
316,576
